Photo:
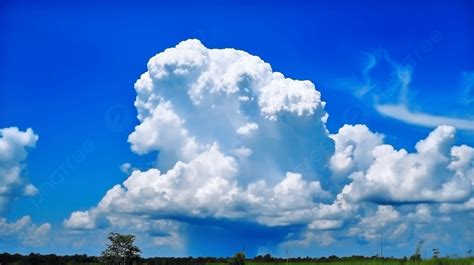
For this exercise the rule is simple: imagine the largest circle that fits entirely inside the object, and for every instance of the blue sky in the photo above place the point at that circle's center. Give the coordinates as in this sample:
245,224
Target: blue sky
401,69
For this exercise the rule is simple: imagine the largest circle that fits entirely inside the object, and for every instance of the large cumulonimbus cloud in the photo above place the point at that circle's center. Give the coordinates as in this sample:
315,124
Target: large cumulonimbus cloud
233,137
238,141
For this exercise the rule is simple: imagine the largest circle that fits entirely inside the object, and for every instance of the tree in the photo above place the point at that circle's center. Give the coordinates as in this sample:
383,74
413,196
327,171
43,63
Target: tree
417,255
436,253
267,258
120,250
238,259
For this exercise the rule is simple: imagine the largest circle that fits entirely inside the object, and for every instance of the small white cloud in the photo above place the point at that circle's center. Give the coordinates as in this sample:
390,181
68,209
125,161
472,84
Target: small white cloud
247,129
243,152
325,224
126,168
80,220
30,190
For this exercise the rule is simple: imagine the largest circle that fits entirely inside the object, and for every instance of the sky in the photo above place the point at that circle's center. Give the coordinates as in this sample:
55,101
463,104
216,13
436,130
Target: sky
290,128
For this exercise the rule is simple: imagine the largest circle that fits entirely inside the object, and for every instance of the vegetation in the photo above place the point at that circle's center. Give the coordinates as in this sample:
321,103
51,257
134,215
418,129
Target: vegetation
238,259
6,258
417,256
120,250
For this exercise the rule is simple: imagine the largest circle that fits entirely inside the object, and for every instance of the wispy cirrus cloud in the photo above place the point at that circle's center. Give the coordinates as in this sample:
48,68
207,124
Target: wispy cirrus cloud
391,94
402,113
467,86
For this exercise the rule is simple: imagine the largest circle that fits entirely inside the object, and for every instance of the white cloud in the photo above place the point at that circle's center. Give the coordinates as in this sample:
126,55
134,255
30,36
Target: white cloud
30,190
80,220
239,142
24,232
287,95
370,227
457,207
248,129
325,224
159,232
421,215
201,109
309,238
205,187
126,168
354,146
242,152
164,131
402,113
38,235
435,173
14,145
399,231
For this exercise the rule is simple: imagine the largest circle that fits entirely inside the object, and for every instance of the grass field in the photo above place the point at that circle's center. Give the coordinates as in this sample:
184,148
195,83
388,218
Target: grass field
360,260
441,261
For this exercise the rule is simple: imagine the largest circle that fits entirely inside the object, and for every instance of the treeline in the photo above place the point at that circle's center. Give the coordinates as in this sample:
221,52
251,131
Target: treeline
35,258
269,259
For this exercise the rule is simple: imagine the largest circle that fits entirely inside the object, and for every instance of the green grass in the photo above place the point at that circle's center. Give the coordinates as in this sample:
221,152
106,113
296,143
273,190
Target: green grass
441,261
